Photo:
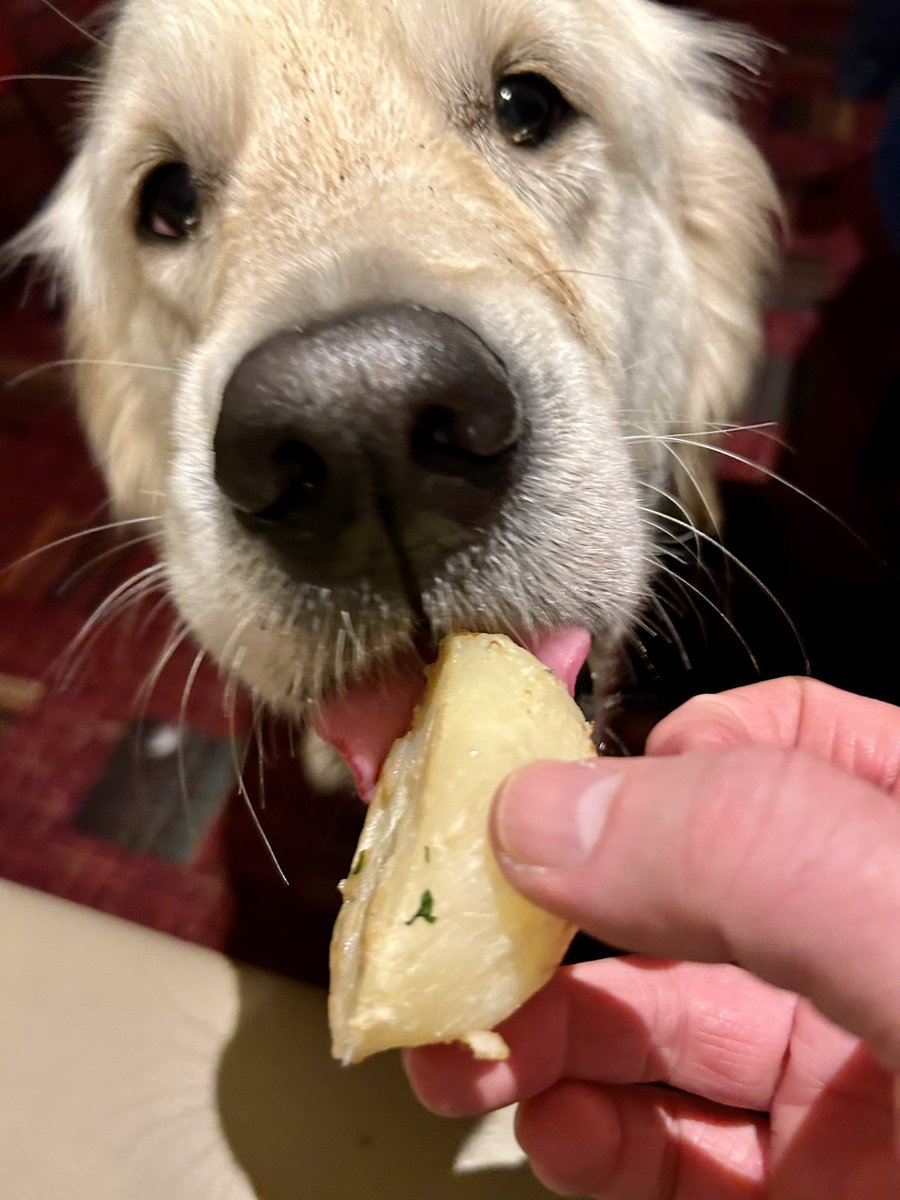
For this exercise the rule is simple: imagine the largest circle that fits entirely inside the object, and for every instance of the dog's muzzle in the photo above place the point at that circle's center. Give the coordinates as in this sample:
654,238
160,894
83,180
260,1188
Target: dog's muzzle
370,446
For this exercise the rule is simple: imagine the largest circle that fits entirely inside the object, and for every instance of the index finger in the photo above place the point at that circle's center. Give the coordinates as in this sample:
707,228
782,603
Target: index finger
859,735
710,1030
772,859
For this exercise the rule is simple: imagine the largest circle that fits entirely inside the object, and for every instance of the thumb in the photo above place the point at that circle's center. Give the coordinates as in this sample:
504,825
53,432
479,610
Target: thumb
769,858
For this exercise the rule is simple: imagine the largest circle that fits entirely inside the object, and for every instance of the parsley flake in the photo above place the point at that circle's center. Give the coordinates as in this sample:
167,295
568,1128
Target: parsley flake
426,912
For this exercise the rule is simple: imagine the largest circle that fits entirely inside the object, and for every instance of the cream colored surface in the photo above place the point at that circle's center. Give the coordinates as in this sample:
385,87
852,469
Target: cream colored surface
137,1067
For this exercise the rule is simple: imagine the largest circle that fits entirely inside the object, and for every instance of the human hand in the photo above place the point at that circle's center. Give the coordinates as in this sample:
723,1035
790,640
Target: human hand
759,841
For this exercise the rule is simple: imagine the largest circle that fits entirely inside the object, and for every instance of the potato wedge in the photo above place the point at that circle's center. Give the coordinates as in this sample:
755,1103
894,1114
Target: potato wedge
432,944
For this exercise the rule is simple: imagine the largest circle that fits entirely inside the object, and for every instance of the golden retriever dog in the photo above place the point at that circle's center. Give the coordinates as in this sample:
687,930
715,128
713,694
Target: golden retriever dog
386,311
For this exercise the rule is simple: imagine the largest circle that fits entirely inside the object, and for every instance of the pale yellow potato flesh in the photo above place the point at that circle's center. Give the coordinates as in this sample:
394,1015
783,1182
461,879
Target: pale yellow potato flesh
431,943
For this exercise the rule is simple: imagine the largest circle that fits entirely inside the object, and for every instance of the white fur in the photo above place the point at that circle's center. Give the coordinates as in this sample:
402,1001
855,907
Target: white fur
348,155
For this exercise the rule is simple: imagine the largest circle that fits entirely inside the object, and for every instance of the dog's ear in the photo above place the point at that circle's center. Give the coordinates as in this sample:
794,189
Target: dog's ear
730,211
729,207
28,247
672,108
119,402
57,241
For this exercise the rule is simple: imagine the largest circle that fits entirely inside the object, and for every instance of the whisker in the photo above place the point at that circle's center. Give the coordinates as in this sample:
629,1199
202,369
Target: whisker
182,732
643,622
714,430
74,24
792,487
644,283
691,528
179,632
608,734
353,636
127,593
673,633
662,576
59,363
44,78
752,576
673,577
258,710
233,653
231,689
695,484
670,498
151,614
72,537
123,589
70,580
643,652
72,661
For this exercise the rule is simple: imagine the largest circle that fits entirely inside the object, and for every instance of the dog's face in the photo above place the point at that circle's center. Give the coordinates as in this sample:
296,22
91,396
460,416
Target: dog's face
388,306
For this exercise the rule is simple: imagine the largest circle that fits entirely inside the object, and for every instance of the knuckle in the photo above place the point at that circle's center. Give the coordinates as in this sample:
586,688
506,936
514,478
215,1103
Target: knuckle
769,712
735,814
672,731
763,828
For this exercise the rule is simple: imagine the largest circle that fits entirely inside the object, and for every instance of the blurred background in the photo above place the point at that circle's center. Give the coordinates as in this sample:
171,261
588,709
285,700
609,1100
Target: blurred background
118,779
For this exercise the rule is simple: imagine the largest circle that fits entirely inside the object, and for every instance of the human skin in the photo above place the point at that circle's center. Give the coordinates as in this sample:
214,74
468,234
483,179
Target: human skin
751,864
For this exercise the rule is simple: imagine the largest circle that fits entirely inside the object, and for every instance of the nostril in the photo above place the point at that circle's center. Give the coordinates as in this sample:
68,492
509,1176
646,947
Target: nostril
460,440
266,475
297,474
302,473
436,435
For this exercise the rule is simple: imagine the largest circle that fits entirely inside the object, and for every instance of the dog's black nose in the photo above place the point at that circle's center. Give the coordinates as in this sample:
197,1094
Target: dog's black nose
393,432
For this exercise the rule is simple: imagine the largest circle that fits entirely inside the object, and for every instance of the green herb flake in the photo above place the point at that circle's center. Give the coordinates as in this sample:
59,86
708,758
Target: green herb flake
426,912
360,863
428,854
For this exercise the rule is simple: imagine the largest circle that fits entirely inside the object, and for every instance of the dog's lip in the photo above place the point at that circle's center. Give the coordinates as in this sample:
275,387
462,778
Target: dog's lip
363,721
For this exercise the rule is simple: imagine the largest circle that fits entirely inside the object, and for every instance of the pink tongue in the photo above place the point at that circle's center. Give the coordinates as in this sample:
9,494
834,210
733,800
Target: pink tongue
362,722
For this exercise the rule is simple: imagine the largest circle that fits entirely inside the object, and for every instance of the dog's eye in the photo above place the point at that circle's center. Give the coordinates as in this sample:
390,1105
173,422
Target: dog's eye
530,109
168,206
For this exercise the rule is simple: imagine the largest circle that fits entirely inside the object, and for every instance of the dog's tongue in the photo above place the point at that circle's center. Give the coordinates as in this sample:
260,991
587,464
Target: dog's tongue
363,721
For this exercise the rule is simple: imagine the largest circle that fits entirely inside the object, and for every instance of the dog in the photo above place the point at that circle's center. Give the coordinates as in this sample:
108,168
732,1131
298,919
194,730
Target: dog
386,313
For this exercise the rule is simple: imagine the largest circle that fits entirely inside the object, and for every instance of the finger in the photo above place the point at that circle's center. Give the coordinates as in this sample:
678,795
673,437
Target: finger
641,1144
861,736
714,1031
767,858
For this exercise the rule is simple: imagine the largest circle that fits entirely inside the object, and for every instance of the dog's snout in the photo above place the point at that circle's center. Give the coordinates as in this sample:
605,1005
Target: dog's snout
396,423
